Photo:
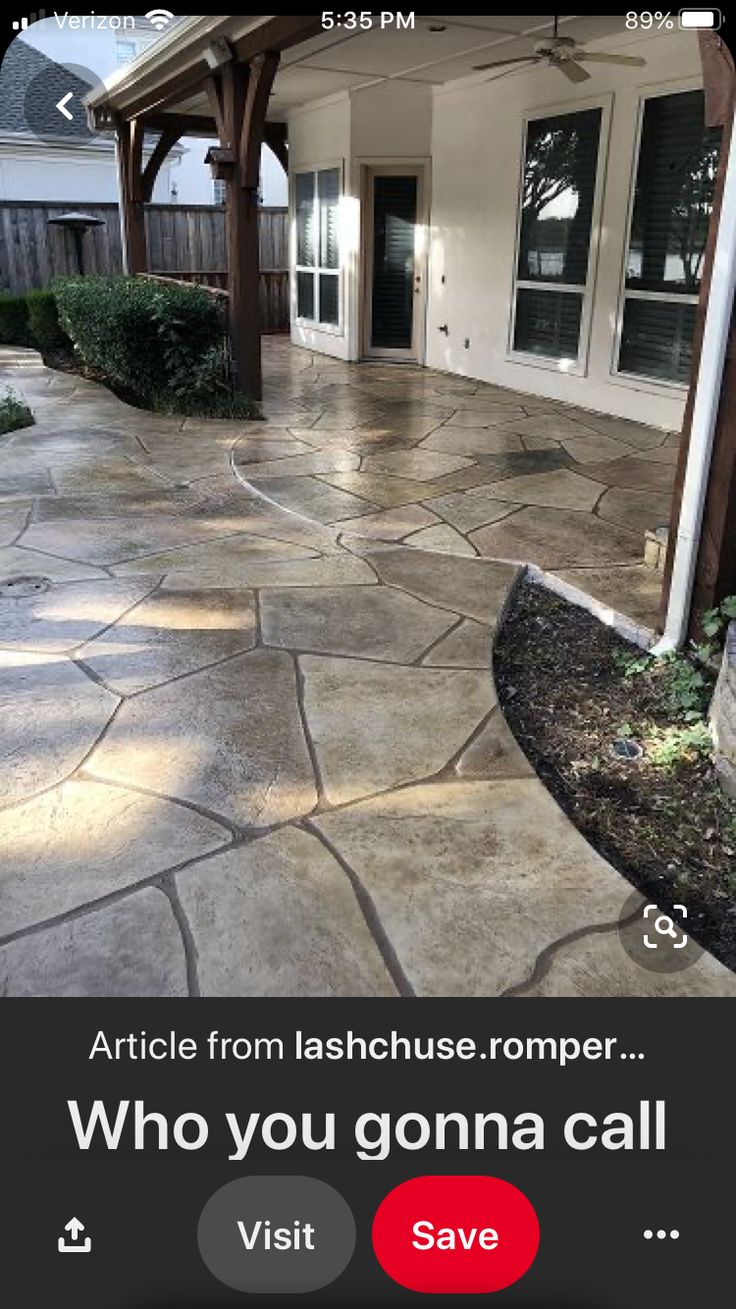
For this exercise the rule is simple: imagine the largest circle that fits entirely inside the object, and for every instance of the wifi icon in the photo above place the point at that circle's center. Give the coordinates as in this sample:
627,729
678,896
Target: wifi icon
159,18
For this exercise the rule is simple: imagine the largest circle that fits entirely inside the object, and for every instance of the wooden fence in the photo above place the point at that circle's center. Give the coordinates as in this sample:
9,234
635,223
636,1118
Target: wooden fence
184,241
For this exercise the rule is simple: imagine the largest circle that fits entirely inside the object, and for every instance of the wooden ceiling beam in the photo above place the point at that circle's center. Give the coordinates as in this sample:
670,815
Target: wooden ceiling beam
182,124
277,34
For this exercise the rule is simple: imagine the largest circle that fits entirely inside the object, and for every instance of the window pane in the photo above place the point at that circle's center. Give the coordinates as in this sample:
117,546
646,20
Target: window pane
328,299
678,159
305,216
305,295
328,190
557,197
657,339
548,323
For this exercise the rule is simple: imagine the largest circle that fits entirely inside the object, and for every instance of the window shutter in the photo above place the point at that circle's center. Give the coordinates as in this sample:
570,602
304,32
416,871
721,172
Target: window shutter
674,195
305,220
673,200
328,190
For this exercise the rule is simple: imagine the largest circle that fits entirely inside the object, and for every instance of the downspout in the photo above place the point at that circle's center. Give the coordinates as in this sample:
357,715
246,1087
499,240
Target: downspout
705,412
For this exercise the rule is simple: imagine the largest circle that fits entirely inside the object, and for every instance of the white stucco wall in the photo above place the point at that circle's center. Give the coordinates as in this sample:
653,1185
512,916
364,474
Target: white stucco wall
469,135
388,123
477,137
320,137
274,182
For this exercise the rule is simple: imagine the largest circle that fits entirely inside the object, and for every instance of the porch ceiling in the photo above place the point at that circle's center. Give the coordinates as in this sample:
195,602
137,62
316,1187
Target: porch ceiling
440,49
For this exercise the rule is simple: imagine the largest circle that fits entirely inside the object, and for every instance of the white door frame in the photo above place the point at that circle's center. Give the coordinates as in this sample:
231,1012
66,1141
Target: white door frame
411,168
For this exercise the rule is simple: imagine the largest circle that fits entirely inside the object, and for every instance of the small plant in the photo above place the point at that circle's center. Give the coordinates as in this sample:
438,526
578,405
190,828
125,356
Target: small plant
714,623
668,747
686,685
681,680
632,665
14,412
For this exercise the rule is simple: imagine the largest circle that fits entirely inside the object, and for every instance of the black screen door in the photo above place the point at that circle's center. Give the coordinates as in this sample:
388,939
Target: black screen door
394,223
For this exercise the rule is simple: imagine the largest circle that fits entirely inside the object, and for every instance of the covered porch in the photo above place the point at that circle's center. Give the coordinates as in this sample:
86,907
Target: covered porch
474,211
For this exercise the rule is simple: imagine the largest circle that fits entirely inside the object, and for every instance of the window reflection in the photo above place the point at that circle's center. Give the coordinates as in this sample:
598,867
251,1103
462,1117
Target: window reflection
557,199
675,183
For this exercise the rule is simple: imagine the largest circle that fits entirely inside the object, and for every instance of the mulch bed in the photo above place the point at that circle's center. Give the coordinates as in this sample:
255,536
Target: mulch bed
668,828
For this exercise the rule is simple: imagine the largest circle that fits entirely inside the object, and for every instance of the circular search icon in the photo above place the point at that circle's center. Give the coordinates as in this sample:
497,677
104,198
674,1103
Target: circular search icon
657,939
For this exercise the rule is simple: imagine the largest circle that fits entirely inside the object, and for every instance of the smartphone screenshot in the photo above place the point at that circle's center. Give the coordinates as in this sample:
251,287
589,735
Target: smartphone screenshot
367,659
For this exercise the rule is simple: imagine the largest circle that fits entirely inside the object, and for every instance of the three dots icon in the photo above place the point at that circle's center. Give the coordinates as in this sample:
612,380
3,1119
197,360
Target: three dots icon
661,1235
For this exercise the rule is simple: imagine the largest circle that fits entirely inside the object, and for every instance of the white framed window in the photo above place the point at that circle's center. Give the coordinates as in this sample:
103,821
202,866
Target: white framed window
676,165
558,221
219,191
125,51
317,263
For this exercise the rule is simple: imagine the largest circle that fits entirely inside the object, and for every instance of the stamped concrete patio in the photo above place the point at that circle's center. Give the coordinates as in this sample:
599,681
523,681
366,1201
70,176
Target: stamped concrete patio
449,464
251,740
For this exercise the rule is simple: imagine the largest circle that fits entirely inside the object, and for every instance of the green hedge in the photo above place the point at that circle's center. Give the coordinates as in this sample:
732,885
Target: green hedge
14,328
32,320
46,331
163,346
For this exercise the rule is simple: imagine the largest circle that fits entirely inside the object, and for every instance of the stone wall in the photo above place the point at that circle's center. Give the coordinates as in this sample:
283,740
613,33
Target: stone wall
723,716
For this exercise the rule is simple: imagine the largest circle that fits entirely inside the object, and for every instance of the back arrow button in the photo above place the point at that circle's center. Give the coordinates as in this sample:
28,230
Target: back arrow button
62,105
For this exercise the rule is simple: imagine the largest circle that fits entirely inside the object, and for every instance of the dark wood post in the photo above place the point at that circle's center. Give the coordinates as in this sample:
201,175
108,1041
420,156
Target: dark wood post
136,187
239,96
132,214
715,574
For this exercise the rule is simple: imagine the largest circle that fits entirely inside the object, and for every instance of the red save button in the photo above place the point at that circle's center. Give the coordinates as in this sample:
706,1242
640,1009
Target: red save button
443,1235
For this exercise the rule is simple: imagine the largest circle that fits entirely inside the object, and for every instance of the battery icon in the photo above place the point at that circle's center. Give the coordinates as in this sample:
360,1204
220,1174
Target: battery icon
698,19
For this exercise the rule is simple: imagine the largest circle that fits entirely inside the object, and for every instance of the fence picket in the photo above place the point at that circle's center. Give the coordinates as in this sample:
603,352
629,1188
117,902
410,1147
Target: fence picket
184,241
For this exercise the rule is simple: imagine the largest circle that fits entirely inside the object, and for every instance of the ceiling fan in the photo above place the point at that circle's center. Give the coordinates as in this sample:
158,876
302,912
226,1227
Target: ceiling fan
564,54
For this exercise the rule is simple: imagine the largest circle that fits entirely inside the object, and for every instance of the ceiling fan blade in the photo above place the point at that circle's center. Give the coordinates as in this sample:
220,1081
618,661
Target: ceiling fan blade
633,61
572,71
503,63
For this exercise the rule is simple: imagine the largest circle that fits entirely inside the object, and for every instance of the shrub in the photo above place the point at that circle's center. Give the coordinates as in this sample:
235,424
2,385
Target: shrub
162,345
14,412
46,331
32,320
14,328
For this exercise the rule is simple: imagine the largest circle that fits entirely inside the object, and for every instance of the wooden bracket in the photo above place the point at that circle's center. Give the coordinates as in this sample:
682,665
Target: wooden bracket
163,146
262,73
213,87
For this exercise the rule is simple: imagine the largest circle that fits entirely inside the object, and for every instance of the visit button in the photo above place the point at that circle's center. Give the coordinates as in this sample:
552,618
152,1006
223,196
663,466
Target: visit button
450,1235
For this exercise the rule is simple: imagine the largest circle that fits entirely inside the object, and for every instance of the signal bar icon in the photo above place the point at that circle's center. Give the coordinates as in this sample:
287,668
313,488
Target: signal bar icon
20,24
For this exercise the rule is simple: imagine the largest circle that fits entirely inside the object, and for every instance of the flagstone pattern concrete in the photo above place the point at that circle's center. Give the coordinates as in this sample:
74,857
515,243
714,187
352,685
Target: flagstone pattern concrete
250,735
